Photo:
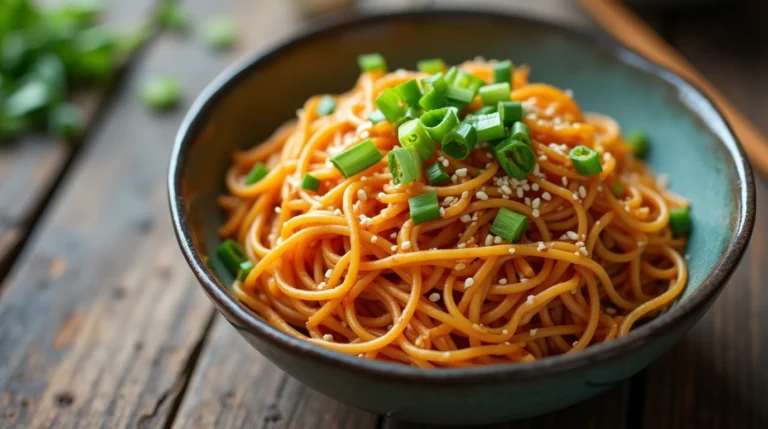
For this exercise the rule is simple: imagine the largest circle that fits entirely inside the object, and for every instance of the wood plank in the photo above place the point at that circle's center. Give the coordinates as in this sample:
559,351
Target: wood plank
233,386
715,377
31,167
101,319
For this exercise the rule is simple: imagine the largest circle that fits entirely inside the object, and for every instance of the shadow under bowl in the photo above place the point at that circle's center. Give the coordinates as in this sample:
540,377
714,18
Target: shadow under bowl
692,144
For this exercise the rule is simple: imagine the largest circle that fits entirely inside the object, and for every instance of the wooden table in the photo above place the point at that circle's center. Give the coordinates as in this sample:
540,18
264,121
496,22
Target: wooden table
102,325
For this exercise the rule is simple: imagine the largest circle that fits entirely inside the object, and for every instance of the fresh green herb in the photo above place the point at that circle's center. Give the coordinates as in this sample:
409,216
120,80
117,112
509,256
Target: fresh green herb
219,33
161,92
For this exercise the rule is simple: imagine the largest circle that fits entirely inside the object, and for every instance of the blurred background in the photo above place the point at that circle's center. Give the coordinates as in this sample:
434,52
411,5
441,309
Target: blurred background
101,323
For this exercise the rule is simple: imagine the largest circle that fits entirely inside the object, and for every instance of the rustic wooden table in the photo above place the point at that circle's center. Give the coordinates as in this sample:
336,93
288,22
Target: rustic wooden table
102,325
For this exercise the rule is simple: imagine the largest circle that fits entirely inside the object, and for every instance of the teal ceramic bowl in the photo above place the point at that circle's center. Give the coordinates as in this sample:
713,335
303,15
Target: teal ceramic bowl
692,143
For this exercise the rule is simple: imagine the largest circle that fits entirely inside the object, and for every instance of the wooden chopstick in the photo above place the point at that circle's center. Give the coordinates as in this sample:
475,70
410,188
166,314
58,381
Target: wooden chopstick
624,25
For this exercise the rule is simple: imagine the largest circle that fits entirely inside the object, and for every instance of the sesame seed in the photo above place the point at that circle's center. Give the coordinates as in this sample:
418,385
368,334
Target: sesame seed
442,211
328,273
584,251
626,208
502,281
610,310
362,195
530,298
600,188
488,240
449,199
322,285
374,239
465,194
543,158
512,251
536,203
393,248
526,187
541,246
406,245
446,355
461,172
441,158
461,245
546,196
505,332
328,337
476,327
445,163
434,297
583,192
466,218
535,213
523,279
564,180
505,196
481,195
506,189
497,240
454,179
459,267
418,341
575,196
489,155
575,343
527,201
533,331
519,192
469,282
572,235
535,186
393,235
381,195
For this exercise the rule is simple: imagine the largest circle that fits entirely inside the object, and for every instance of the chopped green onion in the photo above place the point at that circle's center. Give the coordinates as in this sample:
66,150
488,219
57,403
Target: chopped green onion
231,255
492,94
64,120
310,183
489,127
439,122
468,81
415,137
424,207
436,174
450,75
409,92
410,113
219,33
326,106
433,99
459,142
31,96
245,268
161,92
462,95
521,132
509,225
680,221
485,110
618,189
404,165
638,141
372,62
586,161
434,82
357,158
510,111
502,72
376,116
389,104
172,16
515,157
431,66
258,172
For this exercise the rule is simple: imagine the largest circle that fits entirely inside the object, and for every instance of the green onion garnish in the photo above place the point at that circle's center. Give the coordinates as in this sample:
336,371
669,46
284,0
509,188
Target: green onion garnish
485,110
424,208
409,92
618,189
521,132
492,94
586,161
64,120
510,111
459,142
258,172
461,95
357,158
431,66
372,62
440,122
433,99
515,157
502,72
310,183
434,82
219,32
404,165
509,225
245,268
468,81
415,137
160,92
489,127
232,255
326,106
376,116
638,140
450,75
389,104
436,174
680,221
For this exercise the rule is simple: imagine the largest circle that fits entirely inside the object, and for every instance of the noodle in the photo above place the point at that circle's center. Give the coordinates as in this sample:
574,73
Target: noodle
345,267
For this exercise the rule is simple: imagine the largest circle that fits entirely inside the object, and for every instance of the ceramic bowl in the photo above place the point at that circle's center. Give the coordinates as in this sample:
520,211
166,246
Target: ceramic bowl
692,144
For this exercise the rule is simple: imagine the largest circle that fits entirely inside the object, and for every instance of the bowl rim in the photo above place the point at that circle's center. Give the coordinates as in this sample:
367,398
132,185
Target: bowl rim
242,318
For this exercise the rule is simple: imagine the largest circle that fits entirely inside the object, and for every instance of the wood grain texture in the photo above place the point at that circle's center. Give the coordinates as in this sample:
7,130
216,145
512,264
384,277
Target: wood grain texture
716,376
31,167
101,320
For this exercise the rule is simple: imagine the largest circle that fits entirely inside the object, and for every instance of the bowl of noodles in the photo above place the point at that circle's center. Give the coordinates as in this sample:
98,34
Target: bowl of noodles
458,217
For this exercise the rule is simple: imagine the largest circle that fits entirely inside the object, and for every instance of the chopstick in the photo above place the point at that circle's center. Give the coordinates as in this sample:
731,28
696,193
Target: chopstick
619,21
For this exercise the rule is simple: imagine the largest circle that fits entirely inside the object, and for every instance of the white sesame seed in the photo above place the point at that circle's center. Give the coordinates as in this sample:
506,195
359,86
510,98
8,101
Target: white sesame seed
489,155
476,327
461,245
600,188
449,199
541,246
610,310
442,211
572,235
497,240
362,195
393,248
465,194
393,235
461,172
328,273
535,213
523,279
469,282
533,331
466,218
506,189
546,196
582,192
575,196
502,281
278,209
564,180
481,195
536,203
406,245
454,179
445,163
322,285
543,158
626,208
374,238
459,267
328,337
575,343
584,251
505,332
434,297
446,355
381,195
419,341
512,251
338,212
441,158
505,196
488,240
530,298
535,186
519,192
526,187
